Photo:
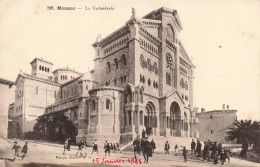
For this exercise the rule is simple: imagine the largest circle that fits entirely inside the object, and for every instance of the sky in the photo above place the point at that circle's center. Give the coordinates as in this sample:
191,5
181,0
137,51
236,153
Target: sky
222,38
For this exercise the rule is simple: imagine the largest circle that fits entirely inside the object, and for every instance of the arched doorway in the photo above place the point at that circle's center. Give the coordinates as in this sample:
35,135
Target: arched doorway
175,119
150,118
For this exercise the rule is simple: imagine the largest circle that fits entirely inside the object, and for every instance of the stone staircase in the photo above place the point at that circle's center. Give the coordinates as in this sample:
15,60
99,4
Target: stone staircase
161,140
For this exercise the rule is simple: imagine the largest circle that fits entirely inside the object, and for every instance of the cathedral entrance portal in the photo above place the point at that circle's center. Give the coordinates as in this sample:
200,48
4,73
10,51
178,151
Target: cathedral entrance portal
175,119
150,119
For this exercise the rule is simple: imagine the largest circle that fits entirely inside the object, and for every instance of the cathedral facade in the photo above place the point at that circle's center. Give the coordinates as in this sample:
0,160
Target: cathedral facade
142,79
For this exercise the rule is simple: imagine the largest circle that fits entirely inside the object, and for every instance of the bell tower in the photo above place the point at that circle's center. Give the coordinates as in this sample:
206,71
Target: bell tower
42,68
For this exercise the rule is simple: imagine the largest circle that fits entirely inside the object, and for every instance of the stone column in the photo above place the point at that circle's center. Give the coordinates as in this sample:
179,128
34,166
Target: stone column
99,114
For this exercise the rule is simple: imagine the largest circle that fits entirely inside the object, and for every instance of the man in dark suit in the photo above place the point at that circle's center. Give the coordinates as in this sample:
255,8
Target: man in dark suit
147,150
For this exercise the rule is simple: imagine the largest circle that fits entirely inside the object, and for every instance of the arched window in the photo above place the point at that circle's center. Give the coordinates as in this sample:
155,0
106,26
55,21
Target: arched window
108,67
129,117
40,68
45,69
107,104
121,79
169,61
55,94
142,61
141,95
124,78
86,87
71,91
48,70
115,81
149,82
141,78
93,105
123,60
149,64
170,33
141,117
155,69
116,63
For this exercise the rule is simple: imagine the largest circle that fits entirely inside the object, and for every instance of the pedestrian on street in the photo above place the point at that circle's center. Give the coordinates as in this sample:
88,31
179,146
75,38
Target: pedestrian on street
153,145
175,149
216,158
136,144
16,148
107,149
214,150
118,147
25,150
143,134
167,147
205,150
111,147
184,153
193,146
147,150
69,142
95,147
105,144
219,148
198,149
65,146
228,155
222,156
80,147
84,149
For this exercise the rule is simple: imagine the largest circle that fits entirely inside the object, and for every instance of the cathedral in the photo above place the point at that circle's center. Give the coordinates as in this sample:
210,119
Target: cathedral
142,79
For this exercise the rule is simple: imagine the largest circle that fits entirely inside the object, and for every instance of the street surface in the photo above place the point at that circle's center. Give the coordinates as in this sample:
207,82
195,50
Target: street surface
43,154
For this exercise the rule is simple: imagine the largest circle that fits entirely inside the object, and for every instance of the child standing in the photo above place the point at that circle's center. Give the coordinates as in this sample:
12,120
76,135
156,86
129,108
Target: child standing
107,150
25,149
16,148
185,153
65,146
84,149
175,149
118,147
95,147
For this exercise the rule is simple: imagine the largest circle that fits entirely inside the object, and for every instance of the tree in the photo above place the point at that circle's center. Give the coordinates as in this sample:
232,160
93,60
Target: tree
245,132
56,123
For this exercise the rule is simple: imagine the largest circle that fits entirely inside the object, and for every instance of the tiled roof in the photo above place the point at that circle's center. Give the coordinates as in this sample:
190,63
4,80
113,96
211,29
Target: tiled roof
41,59
37,78
66,69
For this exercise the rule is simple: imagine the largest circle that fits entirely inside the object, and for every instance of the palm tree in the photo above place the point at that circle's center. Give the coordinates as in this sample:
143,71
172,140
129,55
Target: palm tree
245,132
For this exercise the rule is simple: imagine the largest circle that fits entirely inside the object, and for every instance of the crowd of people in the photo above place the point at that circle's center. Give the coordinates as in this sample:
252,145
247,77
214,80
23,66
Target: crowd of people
211,151
145,146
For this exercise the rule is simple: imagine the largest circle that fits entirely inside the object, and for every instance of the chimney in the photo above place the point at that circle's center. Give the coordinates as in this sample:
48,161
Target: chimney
228,107
223,107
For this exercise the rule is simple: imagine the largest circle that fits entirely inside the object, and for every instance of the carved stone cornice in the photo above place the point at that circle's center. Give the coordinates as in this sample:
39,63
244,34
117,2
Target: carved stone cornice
115,35
149,36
